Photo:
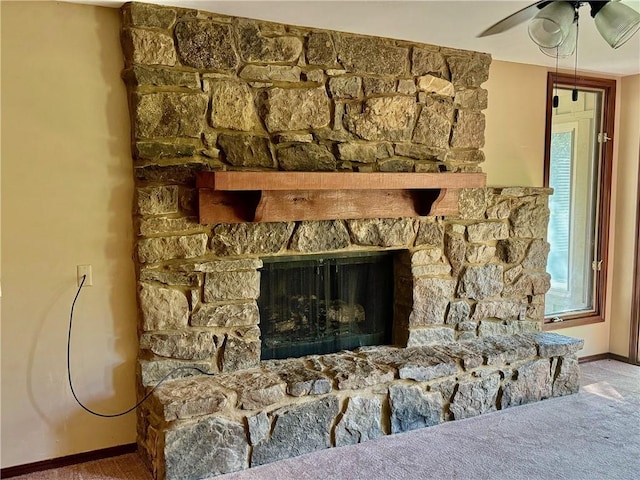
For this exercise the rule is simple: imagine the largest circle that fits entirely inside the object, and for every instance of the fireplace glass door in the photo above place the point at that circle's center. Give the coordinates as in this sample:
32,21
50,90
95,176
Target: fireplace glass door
318,305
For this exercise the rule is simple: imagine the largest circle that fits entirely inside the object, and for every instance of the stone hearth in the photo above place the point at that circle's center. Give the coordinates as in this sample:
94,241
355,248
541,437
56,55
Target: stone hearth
210,92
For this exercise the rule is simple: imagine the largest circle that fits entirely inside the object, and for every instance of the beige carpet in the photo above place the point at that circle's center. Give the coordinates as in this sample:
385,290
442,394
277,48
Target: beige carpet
594,435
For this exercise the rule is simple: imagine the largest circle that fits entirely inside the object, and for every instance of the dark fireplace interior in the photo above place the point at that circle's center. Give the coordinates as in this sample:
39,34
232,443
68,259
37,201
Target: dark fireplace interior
324,304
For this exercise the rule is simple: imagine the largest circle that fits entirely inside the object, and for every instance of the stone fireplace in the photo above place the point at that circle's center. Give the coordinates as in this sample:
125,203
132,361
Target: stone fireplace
459,334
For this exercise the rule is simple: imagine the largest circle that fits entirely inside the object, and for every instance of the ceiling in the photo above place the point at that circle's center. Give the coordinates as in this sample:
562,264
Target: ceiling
449,23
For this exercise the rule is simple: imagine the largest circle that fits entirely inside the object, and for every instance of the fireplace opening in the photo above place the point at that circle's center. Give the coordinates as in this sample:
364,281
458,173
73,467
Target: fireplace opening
324,304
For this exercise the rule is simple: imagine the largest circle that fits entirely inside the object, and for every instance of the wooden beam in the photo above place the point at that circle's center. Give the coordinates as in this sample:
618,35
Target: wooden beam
241,181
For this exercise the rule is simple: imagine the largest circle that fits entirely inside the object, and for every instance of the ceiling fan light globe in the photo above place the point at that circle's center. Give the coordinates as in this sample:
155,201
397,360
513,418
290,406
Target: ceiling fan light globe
617,23
567,47
551,25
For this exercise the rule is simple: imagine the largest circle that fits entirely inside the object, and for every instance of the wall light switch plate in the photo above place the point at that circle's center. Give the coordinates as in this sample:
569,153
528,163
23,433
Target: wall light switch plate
85,270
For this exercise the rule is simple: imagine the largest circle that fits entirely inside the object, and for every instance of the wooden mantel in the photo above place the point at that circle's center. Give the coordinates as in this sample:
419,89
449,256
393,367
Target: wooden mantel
239,197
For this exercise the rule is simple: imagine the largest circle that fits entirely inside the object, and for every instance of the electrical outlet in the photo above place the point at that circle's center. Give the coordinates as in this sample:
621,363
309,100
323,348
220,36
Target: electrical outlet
85,270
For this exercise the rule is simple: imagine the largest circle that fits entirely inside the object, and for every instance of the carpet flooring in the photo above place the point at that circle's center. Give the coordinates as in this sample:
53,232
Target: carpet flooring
593,435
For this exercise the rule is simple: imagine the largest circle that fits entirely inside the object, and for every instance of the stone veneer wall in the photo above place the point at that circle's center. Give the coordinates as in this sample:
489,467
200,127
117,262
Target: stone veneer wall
211,92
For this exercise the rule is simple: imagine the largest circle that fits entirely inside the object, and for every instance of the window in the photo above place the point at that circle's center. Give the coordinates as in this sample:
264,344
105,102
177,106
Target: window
578,155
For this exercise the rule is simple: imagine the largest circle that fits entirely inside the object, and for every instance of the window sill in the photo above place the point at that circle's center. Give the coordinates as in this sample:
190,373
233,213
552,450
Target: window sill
572,322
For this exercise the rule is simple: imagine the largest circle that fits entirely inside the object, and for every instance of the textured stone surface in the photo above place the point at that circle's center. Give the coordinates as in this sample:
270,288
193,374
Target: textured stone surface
161,77
320,49
351,372
503,309
374,85
430,336
412,408
205,45
232,105
230,315
267,73
481,282
529,283
300,379
532,385
566,373
188,452
345,87
426,256
469,70
169,277
426,60
254,47
475,98
467,357
152,371
156,150
436,85
239,354
554,345
430,299
169,114
360,422
383,118
157,200
298,430
183,345
388,232
255,388
536,257
485,232
430,233
246,150
511,250
434,124
396,164
472,203
320,236
151,250
371,55
458,312
475,397
259,427
162,308
296,109
364,152
455,248
224,265
480,253
149,47
220,286
529,221
306,157
146,15
191,397
250,238
468,132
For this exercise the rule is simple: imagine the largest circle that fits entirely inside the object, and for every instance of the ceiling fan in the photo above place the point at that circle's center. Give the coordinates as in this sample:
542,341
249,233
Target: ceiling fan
554,24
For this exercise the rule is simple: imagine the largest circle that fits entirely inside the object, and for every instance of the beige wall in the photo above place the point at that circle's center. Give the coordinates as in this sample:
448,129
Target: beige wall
66,200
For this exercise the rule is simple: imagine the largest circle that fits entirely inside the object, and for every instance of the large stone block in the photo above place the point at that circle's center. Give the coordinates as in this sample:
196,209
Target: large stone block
391,232
192,397
206,45
480,253
475,397
360,421
320,49
455,248
555,345
147,15
306,157
502,309
487,231
188,451
271,73
255,389
472,203
529,283
220,286
436,85
434,124
152,250
246,150
162,308
232,105
250,238
468,132
430,299
412,408
430,336
458,312
183,345
383,118
529,221
536,258
152,371
428,60
149,47
256,48
533,384
469,70
371,55
345,87
167,226
162,77
300,380
154,150
298,430
157,200
481,282
228,315
170,114
566,375
320,236
239,354
352,372
511,250
430,233
474,98
296,109
364,152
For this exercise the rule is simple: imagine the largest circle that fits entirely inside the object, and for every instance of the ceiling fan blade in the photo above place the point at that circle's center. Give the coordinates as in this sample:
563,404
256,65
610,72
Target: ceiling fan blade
515,19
